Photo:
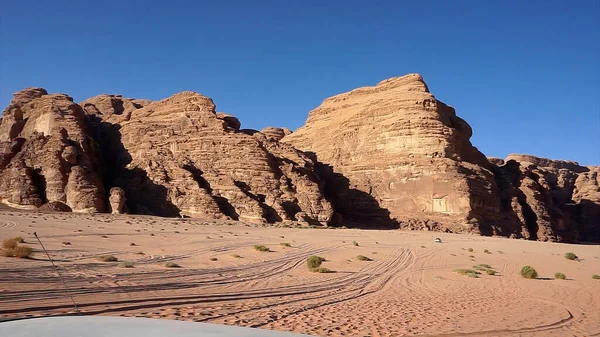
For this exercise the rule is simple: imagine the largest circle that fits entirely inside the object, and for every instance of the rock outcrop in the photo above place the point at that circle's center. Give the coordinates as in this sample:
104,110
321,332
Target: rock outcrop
393,154
47,155
390,156
395,151
553,200
178,157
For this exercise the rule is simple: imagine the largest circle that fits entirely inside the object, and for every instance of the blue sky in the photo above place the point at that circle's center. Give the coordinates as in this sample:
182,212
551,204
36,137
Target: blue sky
524,74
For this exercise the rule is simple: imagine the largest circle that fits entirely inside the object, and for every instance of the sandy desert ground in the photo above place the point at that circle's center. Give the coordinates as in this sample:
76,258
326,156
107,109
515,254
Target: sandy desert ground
409,287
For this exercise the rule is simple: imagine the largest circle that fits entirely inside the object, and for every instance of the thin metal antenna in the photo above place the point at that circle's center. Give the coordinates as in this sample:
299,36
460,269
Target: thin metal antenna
59,275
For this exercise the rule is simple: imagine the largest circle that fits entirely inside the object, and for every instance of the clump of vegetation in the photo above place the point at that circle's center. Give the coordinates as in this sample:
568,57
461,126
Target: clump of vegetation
322,270
285,244
422,246
480,268
470,250
9,244
485,265
107,258
18,239
104,236
471,256
172,265
126,264
487,251
571,256
490,271
66,243
132,244
213,259
560,276
499,252
261,248
468,272
363,258
596,277
529,272
141,253
314,262
355,243
237,256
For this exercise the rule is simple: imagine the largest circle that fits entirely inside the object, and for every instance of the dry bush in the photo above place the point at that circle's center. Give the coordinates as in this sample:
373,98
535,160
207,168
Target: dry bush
490,272
314,262
9,244
470,250
285,244
355,243
22,252
261,248
172,265
571,256
363,258
107,258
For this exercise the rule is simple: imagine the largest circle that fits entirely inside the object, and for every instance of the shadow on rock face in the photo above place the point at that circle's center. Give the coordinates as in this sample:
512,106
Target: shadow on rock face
357,208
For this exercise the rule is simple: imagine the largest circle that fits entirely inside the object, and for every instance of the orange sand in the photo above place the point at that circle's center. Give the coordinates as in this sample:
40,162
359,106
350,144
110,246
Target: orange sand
408,289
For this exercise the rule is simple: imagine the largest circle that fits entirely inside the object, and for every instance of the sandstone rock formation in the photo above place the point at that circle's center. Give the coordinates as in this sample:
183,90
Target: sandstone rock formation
394,150
393,154
553,200
47,155
178,157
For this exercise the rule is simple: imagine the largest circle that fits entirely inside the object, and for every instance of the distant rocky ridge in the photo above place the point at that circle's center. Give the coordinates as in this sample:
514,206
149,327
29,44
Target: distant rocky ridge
387,156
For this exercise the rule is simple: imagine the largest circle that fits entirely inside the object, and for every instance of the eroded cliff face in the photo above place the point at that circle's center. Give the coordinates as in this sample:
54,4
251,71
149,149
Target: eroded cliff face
178,157
47,155
386,156
396,147
553,200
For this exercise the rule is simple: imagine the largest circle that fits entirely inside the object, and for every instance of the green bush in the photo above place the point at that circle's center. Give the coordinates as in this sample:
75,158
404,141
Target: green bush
285,244
470,250
570,256
490,272
322,270
560,276
314,262
596,277
468,272
261,248
529,272
485,265
363,258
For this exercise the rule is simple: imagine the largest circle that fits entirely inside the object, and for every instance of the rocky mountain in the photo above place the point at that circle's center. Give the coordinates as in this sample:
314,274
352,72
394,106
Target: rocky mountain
174,157
385,156
394,155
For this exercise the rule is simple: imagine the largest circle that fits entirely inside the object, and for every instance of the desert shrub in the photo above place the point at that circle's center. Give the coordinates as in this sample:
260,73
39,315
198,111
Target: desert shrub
314,262
355,243
126,264
529,272
18,239
560,276
213,259
237,256
422,246
9,244
66,243
261,248
7,252
322,270
485,265
172,265
470,250
490,272
468,272
107,258
596,277
285,244
363,258
570,256
471,256
22,251
132,244
480,268
487,251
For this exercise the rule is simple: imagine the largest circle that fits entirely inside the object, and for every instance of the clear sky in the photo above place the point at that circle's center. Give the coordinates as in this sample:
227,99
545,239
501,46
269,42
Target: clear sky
524,74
